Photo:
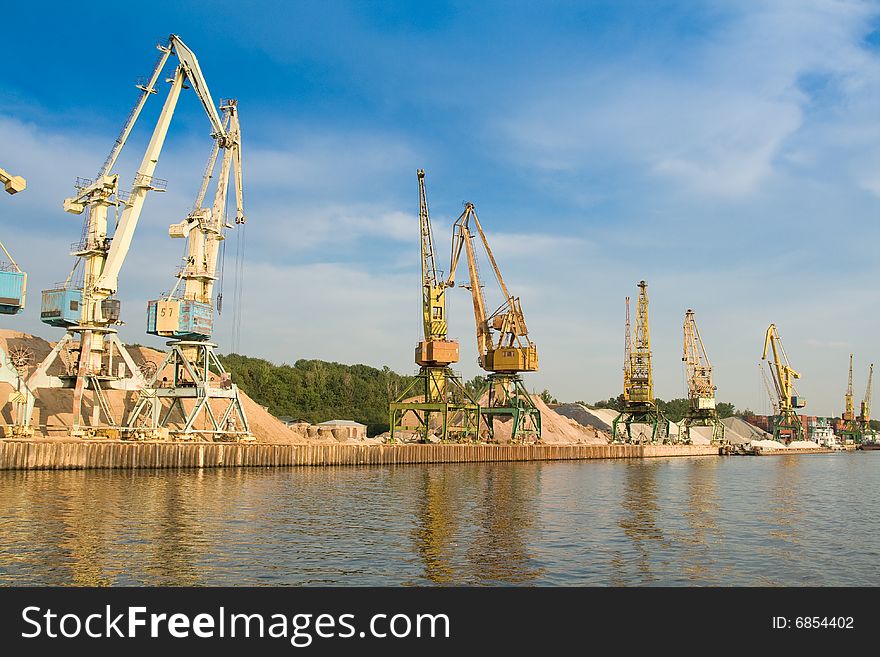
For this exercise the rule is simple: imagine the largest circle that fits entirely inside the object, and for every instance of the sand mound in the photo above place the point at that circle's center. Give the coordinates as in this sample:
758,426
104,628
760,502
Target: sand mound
598,418
701,435
53,410
738,432
768,444
803,444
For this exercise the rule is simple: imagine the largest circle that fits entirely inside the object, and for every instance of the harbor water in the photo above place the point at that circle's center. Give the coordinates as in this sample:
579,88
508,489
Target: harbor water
811,520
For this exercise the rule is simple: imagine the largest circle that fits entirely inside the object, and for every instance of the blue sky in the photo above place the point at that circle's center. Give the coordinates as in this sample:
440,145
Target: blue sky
726,152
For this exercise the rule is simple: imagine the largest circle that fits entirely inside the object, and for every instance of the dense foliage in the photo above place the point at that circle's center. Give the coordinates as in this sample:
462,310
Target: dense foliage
317,391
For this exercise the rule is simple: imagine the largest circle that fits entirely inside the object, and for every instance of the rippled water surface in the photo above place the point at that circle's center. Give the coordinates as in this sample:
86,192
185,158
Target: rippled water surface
780,520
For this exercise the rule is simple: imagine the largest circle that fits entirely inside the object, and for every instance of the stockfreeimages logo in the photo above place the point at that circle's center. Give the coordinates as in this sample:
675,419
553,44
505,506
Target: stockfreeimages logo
300,629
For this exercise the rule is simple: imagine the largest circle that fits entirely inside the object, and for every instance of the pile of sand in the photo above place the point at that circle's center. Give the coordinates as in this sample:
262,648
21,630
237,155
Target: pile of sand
804,444
768,444
598,418
53,410
739,432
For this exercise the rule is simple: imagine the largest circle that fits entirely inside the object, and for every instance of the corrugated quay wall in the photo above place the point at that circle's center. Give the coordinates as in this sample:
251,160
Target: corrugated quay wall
76,455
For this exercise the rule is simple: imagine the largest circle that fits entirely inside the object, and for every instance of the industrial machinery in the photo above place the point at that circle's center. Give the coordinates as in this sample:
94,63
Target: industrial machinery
186,316
868,433
509,350
14,365
641,419
773,403
441,405
850,431
787,426
85,304
13,280
701,391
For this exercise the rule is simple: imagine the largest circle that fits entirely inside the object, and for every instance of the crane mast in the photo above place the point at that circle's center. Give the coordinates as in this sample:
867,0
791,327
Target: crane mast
850,430
443,406
787,425
509,352
206,404
640,419
88,310
435,350
641,385
701,390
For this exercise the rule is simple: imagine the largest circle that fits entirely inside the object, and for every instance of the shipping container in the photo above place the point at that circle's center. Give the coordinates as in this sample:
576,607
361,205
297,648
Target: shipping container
180,318
61,307
12,292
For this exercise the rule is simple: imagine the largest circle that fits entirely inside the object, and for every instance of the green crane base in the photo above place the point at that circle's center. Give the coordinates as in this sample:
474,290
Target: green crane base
445,409
787,427
702,417
851,433
645,413
508,398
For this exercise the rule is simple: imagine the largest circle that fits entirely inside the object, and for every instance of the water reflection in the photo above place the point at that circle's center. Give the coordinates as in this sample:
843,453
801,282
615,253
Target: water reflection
506,510
666,521
639,521
701,513
472,524
435,526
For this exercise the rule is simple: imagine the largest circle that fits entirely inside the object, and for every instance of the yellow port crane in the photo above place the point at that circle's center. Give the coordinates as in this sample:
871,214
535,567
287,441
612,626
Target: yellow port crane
503,344
641,418
787,425
701,389
443,406
850,431
864,418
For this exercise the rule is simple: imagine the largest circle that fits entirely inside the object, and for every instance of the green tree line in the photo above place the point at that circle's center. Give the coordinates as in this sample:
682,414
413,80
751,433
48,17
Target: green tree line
317,390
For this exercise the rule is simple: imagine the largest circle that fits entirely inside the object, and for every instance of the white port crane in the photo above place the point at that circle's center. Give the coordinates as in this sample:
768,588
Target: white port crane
90,311
186,313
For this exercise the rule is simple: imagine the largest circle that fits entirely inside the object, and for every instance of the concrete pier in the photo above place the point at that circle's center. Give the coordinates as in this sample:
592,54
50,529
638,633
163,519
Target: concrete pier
105,454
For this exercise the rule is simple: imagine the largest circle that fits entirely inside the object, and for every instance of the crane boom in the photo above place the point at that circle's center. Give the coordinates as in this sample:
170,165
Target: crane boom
512,350
865,410
108,280
773,403
701,390
195,77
